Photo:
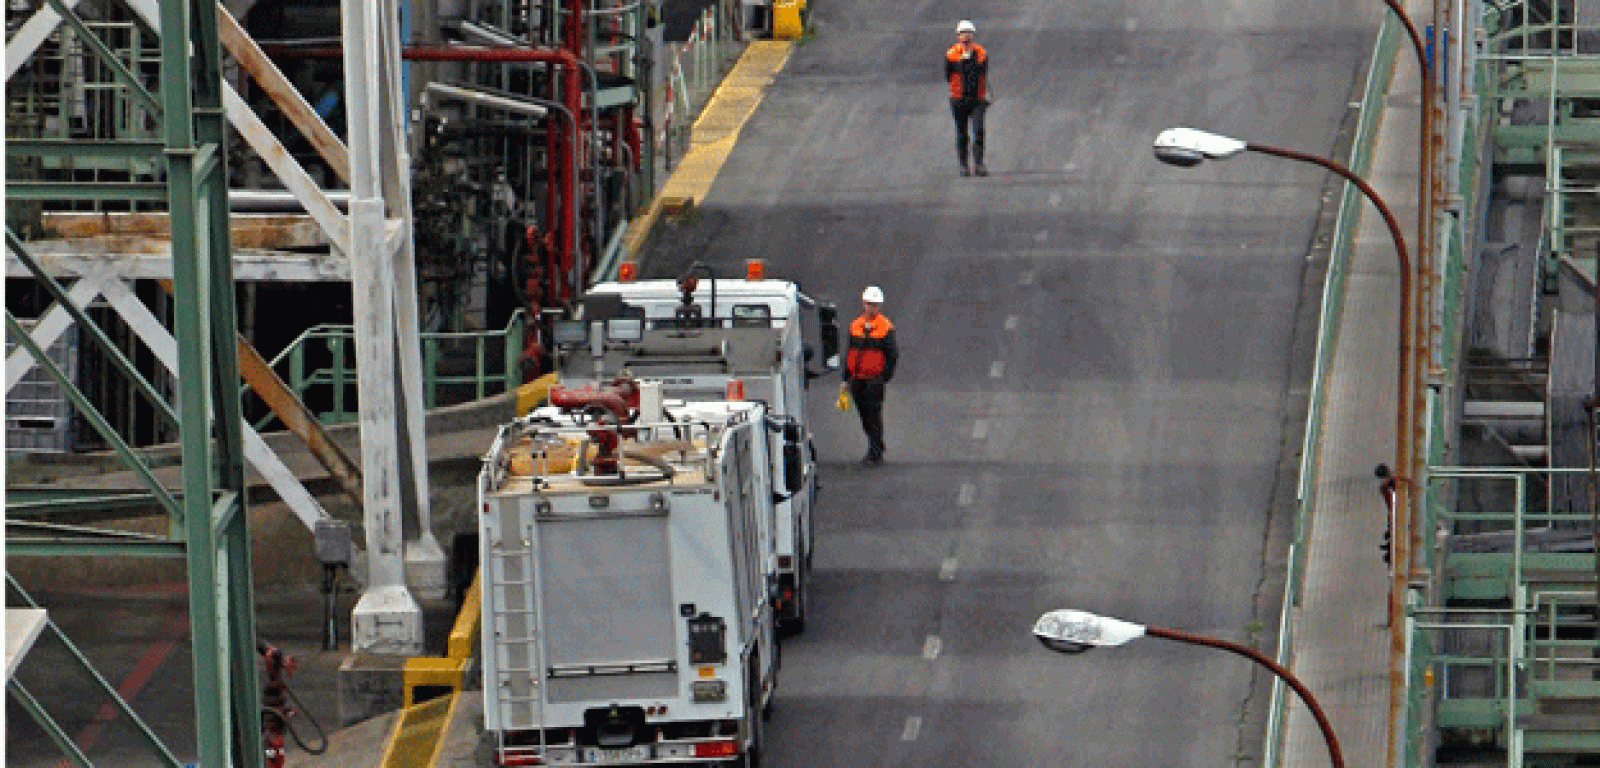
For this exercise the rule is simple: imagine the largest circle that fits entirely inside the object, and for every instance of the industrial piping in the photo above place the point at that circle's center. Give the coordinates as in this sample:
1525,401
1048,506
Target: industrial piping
571,97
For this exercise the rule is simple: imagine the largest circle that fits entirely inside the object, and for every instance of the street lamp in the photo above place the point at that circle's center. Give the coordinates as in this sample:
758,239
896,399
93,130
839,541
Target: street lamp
1072,631
1188,147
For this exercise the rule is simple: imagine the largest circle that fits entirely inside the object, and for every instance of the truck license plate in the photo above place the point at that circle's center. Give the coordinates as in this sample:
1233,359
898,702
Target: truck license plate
629,755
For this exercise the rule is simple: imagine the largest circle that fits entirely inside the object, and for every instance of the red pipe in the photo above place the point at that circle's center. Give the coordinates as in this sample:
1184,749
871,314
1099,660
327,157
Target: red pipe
580,399
561,165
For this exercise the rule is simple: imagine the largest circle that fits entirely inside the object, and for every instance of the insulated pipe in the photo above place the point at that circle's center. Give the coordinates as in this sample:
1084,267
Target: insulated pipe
487,99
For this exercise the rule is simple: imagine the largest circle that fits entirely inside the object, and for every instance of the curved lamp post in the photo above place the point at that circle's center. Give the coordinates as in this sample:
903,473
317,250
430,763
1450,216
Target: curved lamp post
1071,631
1187,147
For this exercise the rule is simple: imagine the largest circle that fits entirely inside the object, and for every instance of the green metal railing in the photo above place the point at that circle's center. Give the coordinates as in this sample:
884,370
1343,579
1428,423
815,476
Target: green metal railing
491,372
1547,626
1534,61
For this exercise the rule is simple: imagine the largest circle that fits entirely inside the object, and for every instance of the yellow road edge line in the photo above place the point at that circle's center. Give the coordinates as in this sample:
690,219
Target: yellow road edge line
449,717
464,635
411,723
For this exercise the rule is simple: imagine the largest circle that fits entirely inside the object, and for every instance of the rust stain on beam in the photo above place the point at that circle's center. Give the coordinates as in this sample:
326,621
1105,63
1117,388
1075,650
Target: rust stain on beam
253,368
283,93
299,419
247,230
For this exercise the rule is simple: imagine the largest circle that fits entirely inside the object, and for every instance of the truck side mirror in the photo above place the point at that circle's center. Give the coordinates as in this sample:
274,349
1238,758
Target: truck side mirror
794,471
828,324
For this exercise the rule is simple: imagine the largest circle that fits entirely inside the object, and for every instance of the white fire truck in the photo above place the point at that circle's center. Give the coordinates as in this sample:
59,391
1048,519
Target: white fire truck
626,548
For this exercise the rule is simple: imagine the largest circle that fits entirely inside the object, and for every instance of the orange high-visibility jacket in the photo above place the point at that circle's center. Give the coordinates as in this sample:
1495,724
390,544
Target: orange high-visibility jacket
967,68
872,352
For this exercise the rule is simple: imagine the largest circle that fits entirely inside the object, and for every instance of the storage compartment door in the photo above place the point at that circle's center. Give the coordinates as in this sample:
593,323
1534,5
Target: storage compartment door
606,588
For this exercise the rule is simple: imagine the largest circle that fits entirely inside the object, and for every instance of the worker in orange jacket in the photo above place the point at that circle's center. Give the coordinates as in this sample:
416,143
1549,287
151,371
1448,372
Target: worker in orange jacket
966,66
869,364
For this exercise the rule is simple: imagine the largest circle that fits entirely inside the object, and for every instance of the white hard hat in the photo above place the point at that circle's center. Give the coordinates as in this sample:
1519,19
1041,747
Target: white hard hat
873,294
965,26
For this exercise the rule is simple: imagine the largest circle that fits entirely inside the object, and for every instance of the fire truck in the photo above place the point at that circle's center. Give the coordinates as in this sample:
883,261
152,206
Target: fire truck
626,544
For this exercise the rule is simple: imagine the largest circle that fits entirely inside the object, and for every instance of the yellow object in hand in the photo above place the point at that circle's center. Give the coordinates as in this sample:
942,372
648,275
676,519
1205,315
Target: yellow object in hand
843,403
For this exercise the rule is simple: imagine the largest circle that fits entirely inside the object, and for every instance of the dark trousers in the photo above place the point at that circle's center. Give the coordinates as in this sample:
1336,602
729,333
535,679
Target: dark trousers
868,397
968,110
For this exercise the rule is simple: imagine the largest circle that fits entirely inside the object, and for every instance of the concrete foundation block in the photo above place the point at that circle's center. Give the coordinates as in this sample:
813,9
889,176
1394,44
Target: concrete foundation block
370,684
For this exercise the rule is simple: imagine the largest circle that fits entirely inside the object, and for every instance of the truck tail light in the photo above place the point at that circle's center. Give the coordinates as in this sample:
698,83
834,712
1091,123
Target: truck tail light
716,748
518,759
626,271
735,389
755,269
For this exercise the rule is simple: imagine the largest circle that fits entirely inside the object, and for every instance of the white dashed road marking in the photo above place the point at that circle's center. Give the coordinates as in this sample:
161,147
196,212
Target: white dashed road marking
947,569
931,647
966,494
980,429
913,727
997,369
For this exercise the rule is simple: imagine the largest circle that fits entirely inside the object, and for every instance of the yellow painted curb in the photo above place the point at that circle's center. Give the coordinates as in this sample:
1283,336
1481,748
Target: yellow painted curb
714,133
533,394
414,742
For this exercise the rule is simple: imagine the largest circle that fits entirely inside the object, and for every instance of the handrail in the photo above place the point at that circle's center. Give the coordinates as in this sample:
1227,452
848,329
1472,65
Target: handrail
703,55
340,374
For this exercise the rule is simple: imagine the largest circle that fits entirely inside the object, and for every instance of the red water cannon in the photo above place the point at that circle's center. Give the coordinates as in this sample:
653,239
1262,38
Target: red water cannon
619,400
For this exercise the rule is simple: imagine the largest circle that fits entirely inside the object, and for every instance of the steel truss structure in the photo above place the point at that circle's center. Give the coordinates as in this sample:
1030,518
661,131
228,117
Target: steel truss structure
183,129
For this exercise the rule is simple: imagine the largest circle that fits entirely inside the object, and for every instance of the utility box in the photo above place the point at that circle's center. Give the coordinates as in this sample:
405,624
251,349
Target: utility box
787,23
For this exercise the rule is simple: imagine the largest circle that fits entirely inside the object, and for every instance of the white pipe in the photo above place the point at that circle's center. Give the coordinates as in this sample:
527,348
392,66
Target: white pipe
487,99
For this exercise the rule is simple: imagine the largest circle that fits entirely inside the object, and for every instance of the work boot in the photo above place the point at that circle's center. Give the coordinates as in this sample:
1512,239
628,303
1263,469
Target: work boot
966,171
982,171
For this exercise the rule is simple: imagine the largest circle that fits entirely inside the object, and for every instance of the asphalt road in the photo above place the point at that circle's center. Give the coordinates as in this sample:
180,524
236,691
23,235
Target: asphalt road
1103,373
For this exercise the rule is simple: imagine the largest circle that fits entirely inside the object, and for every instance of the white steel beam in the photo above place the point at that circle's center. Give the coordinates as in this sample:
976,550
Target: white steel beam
151,259
386,618
31,35
55,320
287,169
261,456
424,559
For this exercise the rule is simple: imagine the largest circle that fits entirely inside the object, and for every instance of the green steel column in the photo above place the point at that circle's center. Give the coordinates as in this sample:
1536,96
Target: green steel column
219,594
233,534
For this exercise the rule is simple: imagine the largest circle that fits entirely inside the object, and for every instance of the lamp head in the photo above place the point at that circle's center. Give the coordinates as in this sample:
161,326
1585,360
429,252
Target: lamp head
1188,147
1071,631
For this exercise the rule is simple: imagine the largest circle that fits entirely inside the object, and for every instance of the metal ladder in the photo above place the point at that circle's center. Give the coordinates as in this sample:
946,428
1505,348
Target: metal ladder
513,630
